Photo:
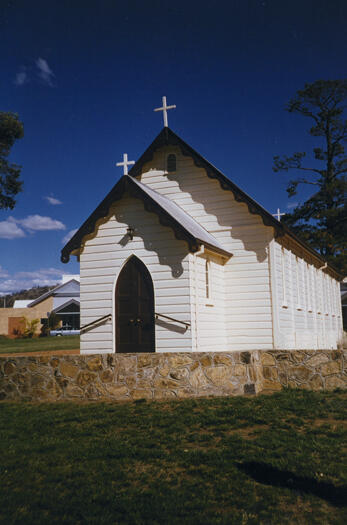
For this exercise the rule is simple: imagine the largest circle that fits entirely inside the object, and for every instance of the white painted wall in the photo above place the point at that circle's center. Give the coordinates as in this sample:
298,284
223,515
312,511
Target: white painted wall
261,298
208,303
307,311
247,299
103,257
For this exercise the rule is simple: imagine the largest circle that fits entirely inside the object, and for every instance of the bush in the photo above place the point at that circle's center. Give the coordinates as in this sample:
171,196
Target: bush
29,328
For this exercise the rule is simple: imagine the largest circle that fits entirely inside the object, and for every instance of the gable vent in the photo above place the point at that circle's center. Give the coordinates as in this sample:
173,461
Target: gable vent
171,162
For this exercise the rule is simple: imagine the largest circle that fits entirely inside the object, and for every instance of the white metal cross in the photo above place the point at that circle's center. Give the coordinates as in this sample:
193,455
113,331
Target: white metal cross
278,214
164,110
125,163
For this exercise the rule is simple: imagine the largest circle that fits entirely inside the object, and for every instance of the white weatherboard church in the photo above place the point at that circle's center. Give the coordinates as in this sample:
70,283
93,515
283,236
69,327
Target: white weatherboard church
178,258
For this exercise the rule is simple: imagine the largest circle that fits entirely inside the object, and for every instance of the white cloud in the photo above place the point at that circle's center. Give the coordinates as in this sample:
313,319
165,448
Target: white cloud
10,230
44,71
15,285
24,280
43,273
291,205
13,228
21,78
40,223
3,272
69,235
53,200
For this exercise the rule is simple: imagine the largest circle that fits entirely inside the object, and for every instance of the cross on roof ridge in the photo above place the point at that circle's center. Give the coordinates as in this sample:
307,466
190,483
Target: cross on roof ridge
125,163
164,110
278,214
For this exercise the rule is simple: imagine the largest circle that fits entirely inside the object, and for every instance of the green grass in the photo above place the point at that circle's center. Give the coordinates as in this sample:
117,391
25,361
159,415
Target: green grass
42,344
268,459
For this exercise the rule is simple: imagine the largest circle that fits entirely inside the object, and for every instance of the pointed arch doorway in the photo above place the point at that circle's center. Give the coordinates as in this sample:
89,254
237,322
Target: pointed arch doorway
134,300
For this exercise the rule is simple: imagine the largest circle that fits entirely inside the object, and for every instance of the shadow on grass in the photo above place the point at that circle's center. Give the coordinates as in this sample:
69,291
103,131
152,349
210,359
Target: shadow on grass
269,475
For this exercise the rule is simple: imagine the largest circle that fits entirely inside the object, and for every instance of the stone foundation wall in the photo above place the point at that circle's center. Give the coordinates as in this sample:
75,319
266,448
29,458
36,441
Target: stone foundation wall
310,369
168,376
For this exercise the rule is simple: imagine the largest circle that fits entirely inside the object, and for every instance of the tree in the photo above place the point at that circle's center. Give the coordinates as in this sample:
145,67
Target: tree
321,220
51,323
11,129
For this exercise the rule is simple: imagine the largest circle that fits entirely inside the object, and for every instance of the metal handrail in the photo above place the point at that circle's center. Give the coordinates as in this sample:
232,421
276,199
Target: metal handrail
109,317
172,319
97,321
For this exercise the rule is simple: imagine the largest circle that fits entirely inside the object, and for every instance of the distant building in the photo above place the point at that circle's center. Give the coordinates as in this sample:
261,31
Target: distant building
21,303
66,301
63,300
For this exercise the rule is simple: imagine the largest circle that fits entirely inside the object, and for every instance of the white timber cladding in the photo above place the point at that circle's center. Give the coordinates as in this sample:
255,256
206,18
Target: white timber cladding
308,313
167,260
265,296
239,315
208,302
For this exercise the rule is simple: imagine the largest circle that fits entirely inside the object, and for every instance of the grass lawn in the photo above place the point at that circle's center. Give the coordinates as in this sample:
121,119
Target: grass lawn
44,344
267,459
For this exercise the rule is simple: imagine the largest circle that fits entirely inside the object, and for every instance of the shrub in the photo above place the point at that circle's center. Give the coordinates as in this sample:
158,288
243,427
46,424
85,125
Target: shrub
29,328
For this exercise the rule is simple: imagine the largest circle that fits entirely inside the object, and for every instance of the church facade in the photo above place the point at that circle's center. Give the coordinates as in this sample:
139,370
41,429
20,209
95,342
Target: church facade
178,258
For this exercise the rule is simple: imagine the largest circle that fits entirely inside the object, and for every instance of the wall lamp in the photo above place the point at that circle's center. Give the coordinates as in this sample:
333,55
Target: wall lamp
130,232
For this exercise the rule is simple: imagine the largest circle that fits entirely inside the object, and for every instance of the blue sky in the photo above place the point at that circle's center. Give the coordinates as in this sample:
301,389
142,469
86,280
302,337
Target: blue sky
85,76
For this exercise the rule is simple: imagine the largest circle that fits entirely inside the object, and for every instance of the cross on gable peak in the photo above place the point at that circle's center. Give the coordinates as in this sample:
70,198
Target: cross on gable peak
125,163
164,109
278,214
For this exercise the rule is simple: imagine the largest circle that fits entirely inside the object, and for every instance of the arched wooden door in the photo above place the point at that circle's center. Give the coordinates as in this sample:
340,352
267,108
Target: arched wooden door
134,309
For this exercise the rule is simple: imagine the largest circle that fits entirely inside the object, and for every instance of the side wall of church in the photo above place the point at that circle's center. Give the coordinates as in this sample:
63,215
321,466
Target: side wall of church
240,316
307,305
167,260
209,327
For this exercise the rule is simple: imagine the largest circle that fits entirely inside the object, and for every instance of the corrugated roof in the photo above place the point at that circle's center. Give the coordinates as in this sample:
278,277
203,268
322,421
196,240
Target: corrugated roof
169,213
185,220
21,303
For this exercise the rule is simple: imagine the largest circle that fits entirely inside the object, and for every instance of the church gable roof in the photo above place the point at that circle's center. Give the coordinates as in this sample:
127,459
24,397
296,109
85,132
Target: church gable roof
169,213
168,138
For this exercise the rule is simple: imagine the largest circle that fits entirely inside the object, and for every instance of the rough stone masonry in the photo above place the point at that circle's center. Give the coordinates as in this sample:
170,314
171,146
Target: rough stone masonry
168,375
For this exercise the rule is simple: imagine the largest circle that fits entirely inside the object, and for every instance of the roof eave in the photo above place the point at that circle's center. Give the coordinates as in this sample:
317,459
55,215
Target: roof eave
219,251
167,137
127,184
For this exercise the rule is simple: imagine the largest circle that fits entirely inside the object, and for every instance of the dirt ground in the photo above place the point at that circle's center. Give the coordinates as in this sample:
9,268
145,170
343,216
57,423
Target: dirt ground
41,352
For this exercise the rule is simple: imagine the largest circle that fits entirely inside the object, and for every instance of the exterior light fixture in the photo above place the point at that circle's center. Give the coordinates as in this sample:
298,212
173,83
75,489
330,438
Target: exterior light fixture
130,232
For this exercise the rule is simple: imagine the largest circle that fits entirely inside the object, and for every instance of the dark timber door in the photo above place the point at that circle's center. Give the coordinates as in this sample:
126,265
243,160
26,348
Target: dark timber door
134,309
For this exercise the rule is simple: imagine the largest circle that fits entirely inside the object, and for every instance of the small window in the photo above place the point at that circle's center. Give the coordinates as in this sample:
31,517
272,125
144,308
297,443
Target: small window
284,276
207,279
171,162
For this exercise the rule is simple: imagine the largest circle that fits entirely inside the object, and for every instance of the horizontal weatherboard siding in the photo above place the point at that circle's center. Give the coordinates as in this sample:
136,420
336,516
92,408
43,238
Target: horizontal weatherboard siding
242,286
164,256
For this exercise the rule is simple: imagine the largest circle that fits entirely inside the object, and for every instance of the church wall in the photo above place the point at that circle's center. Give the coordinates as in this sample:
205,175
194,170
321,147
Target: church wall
167,260
208,302
247,315
307,303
